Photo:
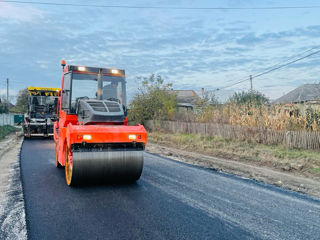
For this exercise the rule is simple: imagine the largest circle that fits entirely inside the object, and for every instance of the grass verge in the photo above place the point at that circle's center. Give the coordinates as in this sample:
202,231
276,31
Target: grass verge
5,130
279,157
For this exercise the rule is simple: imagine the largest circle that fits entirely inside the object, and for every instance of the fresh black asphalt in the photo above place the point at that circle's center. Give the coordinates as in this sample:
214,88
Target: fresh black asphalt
172,200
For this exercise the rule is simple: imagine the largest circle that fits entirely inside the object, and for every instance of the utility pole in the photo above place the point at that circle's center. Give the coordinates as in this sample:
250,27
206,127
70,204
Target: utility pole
251,87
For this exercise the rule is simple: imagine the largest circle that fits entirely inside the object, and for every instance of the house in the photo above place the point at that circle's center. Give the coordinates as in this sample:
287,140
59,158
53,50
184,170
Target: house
307,93
186,99
303,98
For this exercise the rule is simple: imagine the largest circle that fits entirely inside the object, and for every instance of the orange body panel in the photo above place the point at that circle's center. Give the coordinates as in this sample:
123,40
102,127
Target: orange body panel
69,130
105,133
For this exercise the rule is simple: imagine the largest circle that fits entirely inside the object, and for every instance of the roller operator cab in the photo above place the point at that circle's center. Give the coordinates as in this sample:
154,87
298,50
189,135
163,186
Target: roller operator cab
92,138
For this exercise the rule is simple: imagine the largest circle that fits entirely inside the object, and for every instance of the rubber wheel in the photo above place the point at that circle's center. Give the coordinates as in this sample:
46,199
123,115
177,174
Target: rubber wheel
27,136
68,168
58,165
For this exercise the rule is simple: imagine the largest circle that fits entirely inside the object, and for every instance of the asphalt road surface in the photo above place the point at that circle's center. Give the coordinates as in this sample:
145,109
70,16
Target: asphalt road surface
172,200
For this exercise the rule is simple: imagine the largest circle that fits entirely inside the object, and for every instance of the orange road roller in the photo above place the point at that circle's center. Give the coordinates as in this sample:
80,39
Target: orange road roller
92,138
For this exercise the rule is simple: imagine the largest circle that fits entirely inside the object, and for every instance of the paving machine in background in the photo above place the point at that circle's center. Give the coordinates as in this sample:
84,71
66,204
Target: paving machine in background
41,114
92,138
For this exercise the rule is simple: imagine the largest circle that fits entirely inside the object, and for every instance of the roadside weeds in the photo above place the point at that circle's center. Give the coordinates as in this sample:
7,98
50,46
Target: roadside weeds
5,130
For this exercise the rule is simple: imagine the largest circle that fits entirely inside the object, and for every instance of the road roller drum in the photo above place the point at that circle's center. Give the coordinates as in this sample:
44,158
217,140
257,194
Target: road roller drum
106,166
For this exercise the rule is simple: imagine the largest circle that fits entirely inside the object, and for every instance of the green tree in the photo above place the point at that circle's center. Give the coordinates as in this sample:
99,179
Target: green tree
3,106
253,98
154,100
22,101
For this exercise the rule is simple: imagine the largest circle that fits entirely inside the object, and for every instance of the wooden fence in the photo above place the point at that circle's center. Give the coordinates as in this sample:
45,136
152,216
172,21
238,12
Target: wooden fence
292,139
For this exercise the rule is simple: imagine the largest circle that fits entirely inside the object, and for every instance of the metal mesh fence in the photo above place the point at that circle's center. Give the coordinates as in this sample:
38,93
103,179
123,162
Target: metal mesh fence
6,124
6,119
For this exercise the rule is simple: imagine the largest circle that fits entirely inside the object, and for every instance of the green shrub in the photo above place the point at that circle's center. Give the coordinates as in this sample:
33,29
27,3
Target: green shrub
253,98
5,130
153,101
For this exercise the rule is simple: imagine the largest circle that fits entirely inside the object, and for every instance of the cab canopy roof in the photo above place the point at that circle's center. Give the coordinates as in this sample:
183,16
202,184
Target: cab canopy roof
43,91
94,70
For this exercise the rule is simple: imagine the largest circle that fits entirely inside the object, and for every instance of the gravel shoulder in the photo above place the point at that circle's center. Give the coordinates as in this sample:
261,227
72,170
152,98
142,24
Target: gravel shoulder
12,212
263,174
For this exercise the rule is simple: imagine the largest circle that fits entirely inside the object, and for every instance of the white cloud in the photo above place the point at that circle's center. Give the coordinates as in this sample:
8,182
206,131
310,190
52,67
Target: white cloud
19,14
191,49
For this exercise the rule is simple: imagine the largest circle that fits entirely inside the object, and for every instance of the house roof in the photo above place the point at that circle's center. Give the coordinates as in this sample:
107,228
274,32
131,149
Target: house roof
11,105
4,101
304,93
186,97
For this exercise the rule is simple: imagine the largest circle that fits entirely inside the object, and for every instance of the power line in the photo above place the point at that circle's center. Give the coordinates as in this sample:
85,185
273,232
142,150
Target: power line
270,70
275,65
286,64
159,7
294,56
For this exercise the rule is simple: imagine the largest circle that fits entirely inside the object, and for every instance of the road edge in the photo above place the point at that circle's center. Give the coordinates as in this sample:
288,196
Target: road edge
13,218
23,193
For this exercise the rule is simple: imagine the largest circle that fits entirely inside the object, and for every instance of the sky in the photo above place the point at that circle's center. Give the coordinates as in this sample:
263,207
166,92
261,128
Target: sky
192,49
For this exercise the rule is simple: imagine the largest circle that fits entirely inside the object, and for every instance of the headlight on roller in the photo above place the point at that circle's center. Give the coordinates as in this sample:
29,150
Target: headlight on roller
87,137
132,137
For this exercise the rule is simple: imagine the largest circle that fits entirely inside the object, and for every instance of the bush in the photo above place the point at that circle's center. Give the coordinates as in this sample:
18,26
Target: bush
153,101
5,130
253,98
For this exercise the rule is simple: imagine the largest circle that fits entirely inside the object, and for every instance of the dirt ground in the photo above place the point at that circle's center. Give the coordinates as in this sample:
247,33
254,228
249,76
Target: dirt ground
263,174
12,214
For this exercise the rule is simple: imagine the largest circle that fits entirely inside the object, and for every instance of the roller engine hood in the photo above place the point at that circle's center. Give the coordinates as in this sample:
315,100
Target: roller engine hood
99,111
